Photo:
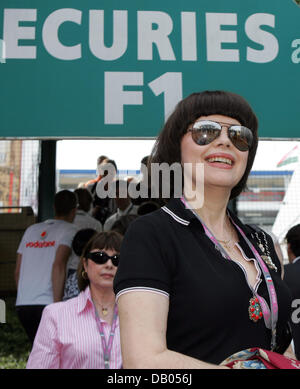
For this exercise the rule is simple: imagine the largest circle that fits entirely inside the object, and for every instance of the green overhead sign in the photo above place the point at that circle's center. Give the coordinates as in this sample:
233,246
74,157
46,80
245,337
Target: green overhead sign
117,68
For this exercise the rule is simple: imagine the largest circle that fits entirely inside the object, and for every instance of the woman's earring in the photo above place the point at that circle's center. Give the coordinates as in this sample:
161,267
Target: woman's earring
84,275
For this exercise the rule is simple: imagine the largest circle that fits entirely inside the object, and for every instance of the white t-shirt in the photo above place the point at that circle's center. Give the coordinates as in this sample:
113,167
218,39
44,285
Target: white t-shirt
130,210
82,220
38,247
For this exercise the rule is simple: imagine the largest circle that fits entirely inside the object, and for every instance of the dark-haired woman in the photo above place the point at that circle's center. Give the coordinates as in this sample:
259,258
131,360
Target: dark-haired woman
80,240
83,332
195,284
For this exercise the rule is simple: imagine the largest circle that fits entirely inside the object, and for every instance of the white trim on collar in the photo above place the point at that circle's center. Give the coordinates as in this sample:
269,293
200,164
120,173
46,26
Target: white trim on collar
175,217
295,260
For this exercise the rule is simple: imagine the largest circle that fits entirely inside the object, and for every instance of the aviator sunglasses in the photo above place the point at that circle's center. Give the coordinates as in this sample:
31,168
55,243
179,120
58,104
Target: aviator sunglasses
100,257
206,131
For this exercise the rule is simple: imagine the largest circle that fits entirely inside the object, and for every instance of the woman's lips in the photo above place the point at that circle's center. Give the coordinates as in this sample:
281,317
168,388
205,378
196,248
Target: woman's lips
107,275
220,160
220,165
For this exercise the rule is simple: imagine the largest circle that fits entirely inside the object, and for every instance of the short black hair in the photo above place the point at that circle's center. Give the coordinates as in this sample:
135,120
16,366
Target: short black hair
106,167
85,198
168,144
101,158
64,202
81,238
145,159
112,162
293,238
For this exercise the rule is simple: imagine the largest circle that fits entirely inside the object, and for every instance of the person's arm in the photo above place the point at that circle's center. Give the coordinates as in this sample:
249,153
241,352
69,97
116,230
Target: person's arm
143,323
289,352
45,353
20,251
59,271
17,268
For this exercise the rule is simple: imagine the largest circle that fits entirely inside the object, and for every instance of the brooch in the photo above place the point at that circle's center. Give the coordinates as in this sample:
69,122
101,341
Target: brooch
255,312
265,249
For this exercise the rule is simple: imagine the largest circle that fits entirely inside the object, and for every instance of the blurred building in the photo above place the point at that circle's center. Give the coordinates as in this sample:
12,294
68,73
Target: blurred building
260,202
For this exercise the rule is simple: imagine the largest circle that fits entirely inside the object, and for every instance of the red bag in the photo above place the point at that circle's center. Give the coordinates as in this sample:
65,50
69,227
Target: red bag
257,358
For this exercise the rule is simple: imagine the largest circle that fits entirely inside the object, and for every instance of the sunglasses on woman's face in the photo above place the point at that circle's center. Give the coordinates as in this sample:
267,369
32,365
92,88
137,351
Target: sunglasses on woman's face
100,257
206,131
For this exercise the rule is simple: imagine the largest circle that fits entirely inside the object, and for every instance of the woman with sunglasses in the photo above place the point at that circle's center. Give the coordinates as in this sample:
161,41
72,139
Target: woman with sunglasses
195,284
83,332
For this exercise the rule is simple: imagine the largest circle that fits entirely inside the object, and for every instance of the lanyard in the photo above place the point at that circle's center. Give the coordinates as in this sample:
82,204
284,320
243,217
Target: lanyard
107,346
270,315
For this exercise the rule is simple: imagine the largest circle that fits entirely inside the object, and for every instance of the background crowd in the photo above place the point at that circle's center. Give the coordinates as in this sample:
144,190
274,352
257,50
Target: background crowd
76,251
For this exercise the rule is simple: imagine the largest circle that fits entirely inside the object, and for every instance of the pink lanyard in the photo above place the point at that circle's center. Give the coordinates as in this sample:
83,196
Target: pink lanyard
107,347
270,315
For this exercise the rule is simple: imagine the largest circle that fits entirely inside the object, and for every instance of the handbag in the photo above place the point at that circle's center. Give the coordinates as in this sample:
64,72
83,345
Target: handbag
258,358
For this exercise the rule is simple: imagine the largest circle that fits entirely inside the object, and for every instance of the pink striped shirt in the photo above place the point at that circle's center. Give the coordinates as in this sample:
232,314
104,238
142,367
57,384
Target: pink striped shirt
68,337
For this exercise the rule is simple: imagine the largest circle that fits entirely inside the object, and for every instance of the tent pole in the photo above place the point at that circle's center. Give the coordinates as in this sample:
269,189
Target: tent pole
47,180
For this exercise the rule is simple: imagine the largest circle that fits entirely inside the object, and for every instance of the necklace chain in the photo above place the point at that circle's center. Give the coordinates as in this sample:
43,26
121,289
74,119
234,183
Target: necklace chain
226,243
104,309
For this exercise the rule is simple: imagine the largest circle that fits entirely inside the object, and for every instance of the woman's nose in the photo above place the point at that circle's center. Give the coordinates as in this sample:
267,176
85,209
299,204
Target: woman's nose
109,264
223,137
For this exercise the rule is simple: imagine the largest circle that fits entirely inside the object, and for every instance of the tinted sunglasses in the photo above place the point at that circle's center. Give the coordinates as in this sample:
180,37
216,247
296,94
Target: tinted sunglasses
100,257
206,131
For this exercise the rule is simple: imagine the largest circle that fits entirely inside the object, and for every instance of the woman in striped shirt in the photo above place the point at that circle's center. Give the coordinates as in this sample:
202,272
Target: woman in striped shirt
83,332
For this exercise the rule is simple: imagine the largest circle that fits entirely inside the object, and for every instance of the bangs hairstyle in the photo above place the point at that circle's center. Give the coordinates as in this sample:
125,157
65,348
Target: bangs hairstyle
110,240
167,147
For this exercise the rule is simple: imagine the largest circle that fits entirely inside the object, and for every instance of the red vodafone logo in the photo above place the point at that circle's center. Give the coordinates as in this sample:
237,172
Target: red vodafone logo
38,244
43,234
42,243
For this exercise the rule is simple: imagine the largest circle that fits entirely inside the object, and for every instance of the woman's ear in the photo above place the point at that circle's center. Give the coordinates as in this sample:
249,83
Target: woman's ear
84,264
290,253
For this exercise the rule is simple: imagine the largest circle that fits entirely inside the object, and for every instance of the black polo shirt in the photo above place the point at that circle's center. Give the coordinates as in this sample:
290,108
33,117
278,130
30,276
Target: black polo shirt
168,252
